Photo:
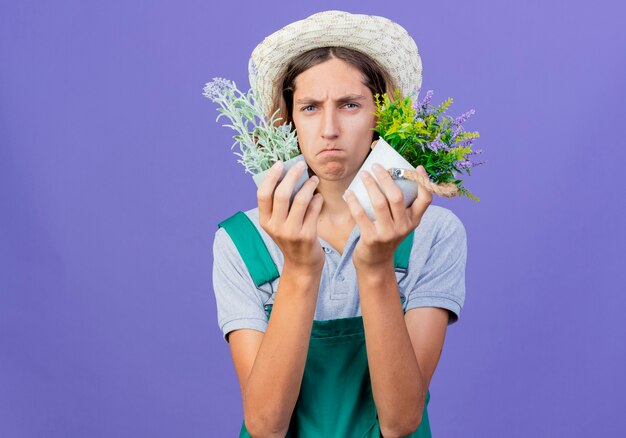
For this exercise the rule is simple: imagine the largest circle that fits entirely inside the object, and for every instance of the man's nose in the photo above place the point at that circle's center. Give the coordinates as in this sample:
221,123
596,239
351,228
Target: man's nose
330,125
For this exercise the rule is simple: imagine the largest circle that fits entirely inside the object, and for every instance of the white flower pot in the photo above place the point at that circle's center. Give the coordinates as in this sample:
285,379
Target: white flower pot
259,177
388,157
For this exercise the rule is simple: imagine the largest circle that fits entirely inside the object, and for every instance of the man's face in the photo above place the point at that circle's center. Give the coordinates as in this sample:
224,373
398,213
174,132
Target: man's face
332,109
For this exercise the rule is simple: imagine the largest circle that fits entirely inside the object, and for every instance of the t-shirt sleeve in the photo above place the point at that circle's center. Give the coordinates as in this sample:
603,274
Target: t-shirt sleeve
239,303
441,282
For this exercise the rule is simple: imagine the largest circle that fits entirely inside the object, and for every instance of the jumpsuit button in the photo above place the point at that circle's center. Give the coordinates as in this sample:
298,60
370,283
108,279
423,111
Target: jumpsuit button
340,277
327,250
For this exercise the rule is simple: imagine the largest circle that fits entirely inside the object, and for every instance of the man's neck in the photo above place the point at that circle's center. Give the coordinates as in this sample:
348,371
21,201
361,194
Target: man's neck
335,210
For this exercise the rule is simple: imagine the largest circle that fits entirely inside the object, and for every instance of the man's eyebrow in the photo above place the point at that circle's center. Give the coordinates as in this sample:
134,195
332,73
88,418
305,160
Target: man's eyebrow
346,98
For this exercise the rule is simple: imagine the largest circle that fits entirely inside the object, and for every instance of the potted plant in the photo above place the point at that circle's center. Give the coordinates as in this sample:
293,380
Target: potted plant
419,134
262,141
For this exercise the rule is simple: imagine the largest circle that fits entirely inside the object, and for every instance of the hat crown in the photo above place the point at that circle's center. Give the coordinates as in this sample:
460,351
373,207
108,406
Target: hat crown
383,40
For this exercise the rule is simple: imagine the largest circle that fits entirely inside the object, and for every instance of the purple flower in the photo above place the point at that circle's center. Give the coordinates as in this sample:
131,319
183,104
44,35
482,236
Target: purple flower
433,145
437,144
423,105
253,69
457,130
467,164
462,164
428,97
216,89
467,142
463,117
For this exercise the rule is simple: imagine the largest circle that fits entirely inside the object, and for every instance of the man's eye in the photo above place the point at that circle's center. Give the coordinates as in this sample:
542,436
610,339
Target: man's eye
350,103
309,106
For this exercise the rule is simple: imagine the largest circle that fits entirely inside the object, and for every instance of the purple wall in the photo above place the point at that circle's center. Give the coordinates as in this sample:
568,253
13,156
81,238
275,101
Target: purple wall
114,174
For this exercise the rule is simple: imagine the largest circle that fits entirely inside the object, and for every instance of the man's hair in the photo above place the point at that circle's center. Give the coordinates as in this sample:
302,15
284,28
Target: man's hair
375,77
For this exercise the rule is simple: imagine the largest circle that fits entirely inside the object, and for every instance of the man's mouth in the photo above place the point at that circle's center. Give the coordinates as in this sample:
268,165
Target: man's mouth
329,151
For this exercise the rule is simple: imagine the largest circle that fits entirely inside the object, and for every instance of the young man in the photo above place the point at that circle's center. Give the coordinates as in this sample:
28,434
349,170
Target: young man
354,336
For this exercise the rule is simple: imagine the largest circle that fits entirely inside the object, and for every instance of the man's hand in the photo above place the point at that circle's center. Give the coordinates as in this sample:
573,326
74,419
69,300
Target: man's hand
394,221
294,229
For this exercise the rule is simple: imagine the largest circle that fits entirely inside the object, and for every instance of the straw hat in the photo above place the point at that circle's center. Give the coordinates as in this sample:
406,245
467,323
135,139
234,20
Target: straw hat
386,42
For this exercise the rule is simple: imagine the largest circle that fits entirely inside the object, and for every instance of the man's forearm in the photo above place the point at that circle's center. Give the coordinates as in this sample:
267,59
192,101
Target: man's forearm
397,382
274,383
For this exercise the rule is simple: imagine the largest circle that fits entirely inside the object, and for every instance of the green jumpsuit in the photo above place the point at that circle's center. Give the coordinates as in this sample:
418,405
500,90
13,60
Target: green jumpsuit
335,397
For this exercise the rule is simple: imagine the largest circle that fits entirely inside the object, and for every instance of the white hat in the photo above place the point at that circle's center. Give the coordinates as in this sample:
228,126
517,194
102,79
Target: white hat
386,42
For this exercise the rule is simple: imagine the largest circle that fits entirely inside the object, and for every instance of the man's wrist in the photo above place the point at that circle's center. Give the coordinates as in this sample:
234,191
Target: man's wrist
373,271
304,274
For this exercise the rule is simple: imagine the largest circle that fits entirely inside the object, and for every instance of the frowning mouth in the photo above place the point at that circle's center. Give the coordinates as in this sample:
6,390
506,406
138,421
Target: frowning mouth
330,151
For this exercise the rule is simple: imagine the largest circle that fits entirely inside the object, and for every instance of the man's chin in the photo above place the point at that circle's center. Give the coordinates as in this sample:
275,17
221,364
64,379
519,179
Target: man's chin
334,171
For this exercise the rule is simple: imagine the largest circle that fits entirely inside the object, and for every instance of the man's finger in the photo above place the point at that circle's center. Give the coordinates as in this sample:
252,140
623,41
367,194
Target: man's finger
265,192
283,192
384,222
301,202
313,212
395,198
366,226
423,200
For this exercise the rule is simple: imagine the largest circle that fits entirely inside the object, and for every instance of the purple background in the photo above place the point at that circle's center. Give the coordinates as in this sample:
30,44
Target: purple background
114,175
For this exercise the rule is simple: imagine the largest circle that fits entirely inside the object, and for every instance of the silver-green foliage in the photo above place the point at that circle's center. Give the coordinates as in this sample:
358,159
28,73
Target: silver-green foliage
262,141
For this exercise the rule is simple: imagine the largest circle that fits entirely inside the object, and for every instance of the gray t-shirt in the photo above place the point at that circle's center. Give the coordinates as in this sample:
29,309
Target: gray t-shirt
435,276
